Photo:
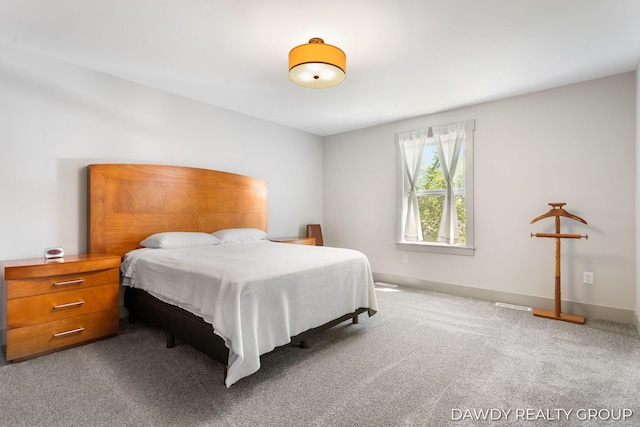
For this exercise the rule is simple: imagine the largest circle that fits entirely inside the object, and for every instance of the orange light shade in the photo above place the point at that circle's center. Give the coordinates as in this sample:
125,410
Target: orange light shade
317,65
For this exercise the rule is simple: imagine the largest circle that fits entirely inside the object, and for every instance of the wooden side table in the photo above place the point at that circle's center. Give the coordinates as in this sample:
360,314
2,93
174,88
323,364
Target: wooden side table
59,303
295,240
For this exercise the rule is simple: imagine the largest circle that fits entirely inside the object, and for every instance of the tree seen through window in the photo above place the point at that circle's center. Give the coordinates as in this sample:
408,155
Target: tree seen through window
431,188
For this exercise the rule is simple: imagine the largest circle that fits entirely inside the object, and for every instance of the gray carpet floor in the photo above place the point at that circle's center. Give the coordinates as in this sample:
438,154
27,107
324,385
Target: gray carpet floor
425,359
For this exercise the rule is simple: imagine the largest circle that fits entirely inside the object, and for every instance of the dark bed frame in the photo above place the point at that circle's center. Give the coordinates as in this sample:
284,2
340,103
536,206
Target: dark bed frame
193,330
129,202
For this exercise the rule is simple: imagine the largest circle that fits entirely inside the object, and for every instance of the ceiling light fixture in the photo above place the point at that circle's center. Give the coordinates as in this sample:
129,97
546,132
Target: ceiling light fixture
317,65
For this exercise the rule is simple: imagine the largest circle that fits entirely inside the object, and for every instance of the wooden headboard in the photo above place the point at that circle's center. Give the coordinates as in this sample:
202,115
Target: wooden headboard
128,202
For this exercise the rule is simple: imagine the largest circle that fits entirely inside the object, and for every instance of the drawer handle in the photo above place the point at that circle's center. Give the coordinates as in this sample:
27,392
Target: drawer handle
69,282
70,304
72,331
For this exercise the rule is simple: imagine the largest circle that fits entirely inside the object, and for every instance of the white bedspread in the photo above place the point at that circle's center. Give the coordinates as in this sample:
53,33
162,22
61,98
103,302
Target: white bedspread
256,295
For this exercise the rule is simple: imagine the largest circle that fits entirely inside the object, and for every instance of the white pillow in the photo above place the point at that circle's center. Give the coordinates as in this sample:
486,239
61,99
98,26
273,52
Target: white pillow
240,235
179,239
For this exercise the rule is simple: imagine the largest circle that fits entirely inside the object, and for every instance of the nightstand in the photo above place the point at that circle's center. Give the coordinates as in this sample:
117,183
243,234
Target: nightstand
53,304
295,240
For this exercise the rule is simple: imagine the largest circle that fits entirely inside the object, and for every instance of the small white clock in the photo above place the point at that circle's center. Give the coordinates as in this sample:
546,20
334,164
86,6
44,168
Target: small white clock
53,253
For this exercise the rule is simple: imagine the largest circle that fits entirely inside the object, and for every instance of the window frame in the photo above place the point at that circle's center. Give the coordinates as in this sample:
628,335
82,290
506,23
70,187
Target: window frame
436,247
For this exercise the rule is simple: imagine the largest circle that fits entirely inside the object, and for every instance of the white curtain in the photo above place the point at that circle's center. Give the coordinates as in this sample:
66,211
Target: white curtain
411,148
448,139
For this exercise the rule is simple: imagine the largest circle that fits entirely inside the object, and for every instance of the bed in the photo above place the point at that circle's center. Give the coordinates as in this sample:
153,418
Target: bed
300,291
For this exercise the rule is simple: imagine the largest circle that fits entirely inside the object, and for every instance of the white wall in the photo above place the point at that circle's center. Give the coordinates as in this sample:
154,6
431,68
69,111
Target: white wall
55,118
573,144
637,307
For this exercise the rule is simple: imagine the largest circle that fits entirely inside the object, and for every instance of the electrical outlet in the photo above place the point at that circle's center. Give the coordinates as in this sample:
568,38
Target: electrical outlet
405,259
587,278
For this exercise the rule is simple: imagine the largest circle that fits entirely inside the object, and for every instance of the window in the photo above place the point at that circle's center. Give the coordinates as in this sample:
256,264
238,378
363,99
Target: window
435,194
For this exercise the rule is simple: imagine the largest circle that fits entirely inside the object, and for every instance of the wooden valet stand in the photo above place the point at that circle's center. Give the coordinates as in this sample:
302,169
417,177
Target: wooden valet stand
557,211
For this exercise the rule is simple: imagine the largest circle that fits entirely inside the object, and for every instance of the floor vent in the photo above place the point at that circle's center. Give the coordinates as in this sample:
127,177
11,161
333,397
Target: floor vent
513,306
385,285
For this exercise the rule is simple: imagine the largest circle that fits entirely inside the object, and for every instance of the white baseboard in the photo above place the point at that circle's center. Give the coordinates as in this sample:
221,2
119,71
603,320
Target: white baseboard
589,311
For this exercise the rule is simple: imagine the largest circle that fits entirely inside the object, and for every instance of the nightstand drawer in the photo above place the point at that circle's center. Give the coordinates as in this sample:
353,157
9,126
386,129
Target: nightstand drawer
32,340
59,305
18,288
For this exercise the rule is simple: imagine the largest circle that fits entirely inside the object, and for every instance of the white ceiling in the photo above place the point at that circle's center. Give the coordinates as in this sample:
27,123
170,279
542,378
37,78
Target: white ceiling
405,58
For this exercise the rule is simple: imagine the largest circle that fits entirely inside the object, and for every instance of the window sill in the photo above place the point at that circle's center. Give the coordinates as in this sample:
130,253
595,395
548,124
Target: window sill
436,248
